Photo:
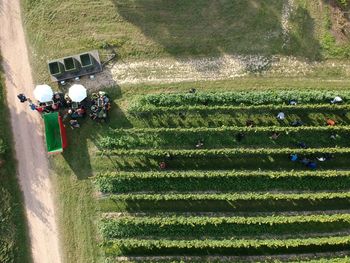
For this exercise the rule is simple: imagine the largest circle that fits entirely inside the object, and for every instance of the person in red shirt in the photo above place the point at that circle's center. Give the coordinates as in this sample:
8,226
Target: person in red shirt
162,165
81,112
40,109
330,122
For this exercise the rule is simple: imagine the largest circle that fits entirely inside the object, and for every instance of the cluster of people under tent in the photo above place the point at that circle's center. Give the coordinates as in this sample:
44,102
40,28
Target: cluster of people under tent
98,105
310,162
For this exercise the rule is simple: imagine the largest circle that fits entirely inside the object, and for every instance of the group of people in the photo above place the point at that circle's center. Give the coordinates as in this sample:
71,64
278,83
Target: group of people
58,102
281,116
99,105
310,162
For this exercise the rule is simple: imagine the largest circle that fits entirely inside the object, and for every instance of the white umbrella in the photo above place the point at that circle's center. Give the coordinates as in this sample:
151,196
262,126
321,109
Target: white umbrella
43,93
281,116
337,99
77,93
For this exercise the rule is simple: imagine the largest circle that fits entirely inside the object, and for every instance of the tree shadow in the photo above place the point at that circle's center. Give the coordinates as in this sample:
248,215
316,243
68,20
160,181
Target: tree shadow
302,42
82,142
250,162
339,23
203,27
15,232
268,205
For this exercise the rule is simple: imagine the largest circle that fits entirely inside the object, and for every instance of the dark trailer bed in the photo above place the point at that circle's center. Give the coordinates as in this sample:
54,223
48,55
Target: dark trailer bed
87,63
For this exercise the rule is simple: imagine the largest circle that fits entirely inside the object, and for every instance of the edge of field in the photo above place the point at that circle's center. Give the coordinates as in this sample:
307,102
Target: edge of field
9,180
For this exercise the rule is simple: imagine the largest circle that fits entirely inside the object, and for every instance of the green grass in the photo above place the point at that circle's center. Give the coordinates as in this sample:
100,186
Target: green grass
154,29
14,242
77,212
251,83
159,28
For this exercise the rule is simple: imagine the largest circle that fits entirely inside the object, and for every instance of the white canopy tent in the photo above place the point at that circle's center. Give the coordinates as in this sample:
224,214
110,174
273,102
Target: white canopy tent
77,93
43,93
337,99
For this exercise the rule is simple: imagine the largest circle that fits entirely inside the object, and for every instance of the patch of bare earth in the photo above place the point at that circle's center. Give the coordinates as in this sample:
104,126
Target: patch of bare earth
171,70
340,19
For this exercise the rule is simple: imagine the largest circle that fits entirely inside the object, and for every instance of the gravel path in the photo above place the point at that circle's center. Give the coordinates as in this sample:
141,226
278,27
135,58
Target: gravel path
172,70
33,171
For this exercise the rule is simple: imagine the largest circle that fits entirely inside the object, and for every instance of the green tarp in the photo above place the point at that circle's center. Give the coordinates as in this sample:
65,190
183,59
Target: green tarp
52,132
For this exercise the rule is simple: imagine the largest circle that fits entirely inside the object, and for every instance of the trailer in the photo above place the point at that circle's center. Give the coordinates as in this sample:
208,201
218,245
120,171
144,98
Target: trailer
75,66
55,133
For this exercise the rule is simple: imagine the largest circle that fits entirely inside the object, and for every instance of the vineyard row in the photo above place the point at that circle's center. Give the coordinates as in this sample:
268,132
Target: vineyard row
221,181
236,246
243,97
198,227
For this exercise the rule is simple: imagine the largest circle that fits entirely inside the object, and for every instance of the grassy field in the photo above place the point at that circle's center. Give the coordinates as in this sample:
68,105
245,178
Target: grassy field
141,30
13,230
162,28
155,29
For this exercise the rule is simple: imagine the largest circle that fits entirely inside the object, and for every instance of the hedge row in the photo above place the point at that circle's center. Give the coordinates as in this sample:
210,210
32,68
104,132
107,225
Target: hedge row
220,152
213,220
229,117
119,247
221,181
151,109
225,202
231,196
220,174
242,97
224,137
199,227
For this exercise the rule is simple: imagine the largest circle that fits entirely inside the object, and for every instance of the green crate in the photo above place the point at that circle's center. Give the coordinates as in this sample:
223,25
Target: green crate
86,60
55,68
70,64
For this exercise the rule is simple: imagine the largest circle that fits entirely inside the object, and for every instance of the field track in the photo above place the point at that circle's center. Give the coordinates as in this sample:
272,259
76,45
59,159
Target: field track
32,161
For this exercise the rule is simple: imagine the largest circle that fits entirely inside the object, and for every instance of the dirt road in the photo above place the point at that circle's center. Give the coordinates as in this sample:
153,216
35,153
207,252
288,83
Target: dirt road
27,128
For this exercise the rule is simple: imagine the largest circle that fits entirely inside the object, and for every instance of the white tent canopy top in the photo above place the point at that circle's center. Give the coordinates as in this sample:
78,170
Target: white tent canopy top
337,99
43,93
77,93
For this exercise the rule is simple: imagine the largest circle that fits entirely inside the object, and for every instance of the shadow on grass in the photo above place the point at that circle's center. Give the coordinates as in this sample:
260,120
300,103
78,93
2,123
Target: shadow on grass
248,206
224,139
262,250
204,27
14,232
238,162
225,184
84,139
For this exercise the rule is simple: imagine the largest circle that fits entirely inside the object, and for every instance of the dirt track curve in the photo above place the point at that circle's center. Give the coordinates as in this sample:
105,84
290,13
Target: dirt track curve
33,171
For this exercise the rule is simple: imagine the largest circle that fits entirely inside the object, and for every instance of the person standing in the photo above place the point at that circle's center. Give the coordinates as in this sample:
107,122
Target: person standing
22,98
32,105
281,116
